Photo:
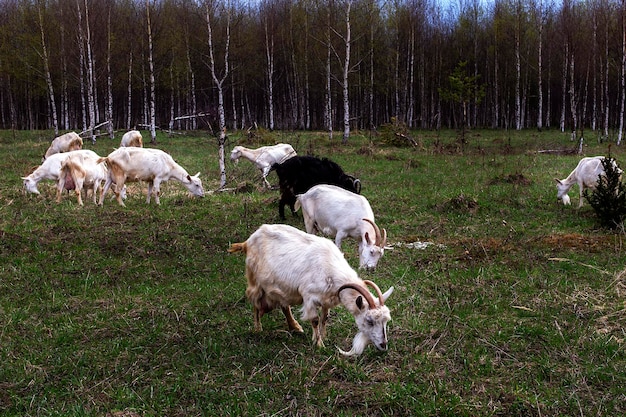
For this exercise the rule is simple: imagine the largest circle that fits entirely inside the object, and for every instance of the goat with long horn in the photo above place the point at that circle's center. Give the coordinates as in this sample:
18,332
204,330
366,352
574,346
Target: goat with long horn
286,267
333,211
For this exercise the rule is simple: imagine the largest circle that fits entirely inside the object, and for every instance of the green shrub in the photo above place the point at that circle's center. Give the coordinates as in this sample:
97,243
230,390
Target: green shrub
609,198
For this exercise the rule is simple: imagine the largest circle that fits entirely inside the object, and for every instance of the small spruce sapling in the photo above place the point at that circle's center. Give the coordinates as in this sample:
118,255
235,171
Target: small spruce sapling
609,198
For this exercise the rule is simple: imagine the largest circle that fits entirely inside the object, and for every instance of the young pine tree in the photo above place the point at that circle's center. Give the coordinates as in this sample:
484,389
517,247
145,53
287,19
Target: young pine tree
609,198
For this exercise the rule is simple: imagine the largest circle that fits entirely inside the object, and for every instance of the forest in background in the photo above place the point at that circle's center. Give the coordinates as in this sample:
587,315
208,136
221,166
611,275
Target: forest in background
312,64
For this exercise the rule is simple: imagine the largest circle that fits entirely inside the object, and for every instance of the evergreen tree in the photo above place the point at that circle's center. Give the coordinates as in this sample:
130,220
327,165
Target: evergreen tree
609,198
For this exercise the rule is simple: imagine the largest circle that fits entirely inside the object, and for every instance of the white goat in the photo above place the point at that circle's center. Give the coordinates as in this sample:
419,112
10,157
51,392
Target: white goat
264,157
64,143
85,172
586,175
145,164
132,138
336,212
50,169
286,266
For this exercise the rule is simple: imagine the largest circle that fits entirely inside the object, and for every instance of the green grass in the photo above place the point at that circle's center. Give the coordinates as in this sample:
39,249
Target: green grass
517,309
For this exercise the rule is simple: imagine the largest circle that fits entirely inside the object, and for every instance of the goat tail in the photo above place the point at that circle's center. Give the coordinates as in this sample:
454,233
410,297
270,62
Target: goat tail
104,159
297,204
238,247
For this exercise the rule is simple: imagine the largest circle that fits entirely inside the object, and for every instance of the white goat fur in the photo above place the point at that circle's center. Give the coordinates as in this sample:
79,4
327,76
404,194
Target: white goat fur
145,164
85,172
286,267
132,138
586,175
64,143
264,157
333,211
50,169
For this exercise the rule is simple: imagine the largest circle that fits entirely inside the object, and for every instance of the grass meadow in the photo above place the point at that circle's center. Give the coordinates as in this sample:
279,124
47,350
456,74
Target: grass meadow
514,306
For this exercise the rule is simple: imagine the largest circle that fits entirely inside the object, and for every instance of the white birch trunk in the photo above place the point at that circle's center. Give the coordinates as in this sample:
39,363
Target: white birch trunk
606,82
622,77
129,113
564,89
81,53
328,108
269,53
411,82
109,108
496,90
594,104
46,64
91,97
346,71
152,81
518,72
370,99
572,98
219,82
540,70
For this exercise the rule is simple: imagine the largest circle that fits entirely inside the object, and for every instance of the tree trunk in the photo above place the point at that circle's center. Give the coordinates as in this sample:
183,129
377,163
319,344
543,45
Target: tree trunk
518,72
91,78
152,81
219,82
594,99
46,64
109,108
540,70
346,72
328,108
81,53
129,113
269,53
564,90
622,77
572,97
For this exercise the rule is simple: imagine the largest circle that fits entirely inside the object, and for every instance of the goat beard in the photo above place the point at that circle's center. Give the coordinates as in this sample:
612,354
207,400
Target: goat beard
359,343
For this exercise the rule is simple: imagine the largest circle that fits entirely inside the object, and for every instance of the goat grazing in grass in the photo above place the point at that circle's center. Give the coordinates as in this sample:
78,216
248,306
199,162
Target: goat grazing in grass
336,212
146,164
287,267
586,175
264,157
50,169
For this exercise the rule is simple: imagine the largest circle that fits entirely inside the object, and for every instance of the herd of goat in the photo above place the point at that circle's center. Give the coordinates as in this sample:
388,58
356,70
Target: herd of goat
284,266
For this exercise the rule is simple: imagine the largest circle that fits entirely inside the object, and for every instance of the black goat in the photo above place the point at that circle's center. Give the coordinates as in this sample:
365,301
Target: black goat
296,175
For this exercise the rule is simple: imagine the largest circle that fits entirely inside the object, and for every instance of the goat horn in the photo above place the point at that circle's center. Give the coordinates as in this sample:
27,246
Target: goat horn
362,290
381,239
378,291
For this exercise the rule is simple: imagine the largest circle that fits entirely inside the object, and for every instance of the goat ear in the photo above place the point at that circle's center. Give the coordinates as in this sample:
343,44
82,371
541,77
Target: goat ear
387,293
197,175
367,238
359,302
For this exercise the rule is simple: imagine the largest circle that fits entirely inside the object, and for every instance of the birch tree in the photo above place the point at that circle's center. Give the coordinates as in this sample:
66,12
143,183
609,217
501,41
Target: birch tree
622,76
518,66
269,54
328,110
48,76
346,71
218,80
109,103
152,105
91,80
539,66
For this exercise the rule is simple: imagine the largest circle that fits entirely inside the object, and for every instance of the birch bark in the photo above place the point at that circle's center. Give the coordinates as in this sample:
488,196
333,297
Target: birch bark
46,64
219,82
152,81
